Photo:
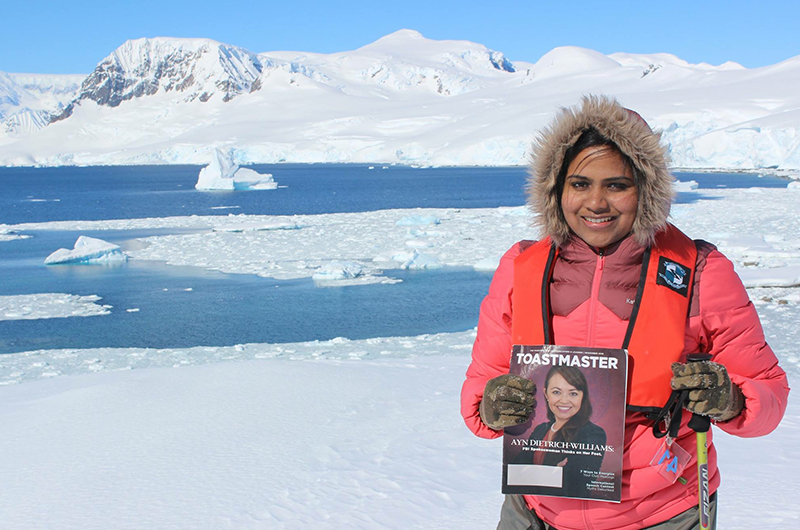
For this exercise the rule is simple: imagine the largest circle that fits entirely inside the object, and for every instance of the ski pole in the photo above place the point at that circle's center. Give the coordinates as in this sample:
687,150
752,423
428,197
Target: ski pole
700,425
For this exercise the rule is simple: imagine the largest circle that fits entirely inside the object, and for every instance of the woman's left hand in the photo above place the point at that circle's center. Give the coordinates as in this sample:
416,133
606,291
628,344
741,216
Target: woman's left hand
711,392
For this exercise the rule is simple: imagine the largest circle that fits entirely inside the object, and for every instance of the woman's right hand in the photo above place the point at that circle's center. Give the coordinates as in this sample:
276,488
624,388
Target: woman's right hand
507,400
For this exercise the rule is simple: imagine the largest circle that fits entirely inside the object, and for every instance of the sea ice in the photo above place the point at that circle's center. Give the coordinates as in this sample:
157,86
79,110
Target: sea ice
418,220
685,185
50,305
87,250
417,260
338,270
257,226
7,234
487,264
223,174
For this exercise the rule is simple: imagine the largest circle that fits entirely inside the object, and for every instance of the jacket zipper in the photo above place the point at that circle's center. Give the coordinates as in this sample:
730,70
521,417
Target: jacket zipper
598,276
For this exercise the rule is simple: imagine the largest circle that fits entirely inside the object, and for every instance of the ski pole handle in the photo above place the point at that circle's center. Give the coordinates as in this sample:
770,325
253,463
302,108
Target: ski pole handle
699,423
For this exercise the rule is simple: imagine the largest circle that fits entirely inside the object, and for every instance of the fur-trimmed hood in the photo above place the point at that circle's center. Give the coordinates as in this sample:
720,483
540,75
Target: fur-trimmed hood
632,136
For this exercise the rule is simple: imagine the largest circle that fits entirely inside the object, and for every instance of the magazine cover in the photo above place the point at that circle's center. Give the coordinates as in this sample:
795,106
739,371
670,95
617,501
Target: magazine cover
572,445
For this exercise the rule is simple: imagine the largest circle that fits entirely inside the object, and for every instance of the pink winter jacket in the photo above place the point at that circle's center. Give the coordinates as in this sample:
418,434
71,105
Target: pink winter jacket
592,297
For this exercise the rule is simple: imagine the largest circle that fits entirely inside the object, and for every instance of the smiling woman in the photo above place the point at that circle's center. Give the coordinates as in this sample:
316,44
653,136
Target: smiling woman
610,271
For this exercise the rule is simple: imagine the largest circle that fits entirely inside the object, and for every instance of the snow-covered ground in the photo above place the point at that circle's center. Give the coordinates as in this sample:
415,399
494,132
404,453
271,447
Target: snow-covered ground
336,434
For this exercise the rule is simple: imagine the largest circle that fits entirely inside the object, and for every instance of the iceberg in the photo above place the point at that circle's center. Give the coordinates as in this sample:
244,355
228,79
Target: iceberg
223,174
87,250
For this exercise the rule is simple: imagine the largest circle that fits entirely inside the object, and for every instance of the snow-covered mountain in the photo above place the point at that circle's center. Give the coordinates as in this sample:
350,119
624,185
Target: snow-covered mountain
402,98
192,68
28,101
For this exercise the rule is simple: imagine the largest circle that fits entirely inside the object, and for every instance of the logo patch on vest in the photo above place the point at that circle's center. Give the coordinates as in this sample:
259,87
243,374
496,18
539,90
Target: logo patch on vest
673,275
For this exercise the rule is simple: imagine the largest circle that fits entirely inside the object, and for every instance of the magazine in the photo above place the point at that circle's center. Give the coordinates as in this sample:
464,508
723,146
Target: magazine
572,445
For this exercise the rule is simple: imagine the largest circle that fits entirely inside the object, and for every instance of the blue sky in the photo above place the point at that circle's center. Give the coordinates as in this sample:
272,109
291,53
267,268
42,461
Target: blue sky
72,37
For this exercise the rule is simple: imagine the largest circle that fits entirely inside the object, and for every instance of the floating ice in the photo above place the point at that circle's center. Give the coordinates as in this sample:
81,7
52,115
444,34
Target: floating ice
418,220
87,250
50,305
7,234
416,260
258,226
487,264
685,185
223,174
338,270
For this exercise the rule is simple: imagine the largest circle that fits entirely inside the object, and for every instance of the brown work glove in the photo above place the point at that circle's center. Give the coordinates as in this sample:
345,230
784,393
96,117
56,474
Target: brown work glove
507,400
711,392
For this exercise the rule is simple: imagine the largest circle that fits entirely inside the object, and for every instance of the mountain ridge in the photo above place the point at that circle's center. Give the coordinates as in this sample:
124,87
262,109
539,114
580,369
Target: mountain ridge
402,98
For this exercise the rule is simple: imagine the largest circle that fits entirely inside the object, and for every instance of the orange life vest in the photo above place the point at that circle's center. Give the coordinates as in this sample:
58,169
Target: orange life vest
655,334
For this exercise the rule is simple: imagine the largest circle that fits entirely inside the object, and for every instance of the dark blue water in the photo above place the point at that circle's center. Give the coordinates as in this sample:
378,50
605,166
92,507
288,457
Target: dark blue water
184,306
225,309
96,193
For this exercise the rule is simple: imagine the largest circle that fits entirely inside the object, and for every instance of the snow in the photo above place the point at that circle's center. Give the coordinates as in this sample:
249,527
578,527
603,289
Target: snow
50,305
87,250
223,174
342,433
333,435
402,99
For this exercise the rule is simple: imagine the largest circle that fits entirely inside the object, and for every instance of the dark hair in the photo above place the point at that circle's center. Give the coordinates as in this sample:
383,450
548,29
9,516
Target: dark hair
590,137
574,377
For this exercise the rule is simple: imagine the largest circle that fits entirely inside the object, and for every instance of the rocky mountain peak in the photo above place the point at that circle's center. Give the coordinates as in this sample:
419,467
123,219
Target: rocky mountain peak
193,69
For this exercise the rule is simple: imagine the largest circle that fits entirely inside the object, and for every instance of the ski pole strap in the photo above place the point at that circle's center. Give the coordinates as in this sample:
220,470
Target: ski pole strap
670,415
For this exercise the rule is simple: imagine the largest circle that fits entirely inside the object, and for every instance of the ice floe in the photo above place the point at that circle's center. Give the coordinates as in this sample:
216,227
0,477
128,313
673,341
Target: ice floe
50,305
223,174
7,234
87,250
258,226
755,230
418,220
685,185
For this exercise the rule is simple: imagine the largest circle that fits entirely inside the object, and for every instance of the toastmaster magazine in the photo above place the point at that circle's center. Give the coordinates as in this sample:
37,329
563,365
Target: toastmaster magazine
572,444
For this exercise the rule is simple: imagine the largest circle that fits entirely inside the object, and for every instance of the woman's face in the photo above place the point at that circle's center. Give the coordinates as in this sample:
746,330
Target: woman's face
563,399
600,198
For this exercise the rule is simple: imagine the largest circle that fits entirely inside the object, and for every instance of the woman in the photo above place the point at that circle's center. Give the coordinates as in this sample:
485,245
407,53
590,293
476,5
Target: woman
569,408
611,272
